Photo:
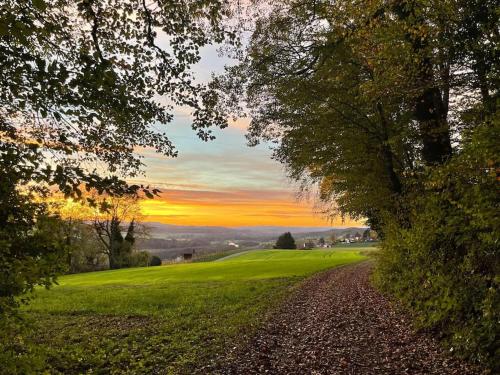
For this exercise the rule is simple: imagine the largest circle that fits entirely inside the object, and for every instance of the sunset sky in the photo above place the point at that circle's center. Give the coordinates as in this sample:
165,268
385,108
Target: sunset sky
222,182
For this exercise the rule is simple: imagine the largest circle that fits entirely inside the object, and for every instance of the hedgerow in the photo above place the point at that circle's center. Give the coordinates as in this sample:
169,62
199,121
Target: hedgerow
444,265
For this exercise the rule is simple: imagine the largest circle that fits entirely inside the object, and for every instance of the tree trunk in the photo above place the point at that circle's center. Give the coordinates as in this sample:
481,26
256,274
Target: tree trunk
430,109
489,103
387,154
430,112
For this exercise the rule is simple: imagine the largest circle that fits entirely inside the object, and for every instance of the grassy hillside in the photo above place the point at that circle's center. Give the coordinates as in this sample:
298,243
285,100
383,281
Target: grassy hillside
167,318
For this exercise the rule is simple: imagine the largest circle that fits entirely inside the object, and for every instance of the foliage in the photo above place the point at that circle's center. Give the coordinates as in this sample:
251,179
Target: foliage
86,251
357,97
81,84
155,261
446,266
166,319
285,241
86,76
30,254
138,259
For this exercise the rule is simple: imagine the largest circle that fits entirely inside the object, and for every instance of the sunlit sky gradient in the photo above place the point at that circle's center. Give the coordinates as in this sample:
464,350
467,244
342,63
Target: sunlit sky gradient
222,182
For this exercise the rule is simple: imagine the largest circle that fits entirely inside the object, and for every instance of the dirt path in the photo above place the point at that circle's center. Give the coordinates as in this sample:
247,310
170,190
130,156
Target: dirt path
233,256
336,323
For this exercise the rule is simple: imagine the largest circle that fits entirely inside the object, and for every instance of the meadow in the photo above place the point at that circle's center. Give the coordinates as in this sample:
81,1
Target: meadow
167,319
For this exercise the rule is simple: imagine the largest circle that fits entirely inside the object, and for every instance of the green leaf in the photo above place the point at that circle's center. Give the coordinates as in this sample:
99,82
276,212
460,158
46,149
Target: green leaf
40,5
4,29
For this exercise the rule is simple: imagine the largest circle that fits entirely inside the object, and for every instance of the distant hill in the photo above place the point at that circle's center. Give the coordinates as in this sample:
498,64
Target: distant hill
262,233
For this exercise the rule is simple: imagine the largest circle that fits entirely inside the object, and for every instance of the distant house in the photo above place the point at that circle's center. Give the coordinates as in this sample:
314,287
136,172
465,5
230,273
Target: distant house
232,244
189,256
308,245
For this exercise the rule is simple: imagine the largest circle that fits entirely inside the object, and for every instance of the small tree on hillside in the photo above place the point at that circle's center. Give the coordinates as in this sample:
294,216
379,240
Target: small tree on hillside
285,241
109,225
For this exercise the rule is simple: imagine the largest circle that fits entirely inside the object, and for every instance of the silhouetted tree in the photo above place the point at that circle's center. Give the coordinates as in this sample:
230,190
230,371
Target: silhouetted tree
130,237
285,241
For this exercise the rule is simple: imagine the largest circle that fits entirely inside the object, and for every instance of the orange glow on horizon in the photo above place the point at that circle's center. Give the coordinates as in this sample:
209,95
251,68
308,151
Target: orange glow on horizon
231,209
219,208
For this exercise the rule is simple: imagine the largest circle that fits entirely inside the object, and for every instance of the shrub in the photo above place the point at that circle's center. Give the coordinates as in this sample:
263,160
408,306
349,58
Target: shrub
155,261
137,259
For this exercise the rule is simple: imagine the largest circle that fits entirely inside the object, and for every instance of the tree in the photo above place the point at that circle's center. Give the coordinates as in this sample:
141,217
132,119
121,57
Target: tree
321,242
86,250
81,83
388,109
30,255
285,241
108,225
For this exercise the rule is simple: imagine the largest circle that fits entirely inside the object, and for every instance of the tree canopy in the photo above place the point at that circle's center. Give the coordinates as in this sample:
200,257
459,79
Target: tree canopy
360,99
82,83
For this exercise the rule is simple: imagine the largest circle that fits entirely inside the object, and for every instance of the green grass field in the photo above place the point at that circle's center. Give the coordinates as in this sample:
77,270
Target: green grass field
167,319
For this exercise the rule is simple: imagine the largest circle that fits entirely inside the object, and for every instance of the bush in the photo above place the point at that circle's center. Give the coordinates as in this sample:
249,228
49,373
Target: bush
86,250
155,261
31,255
445,265
137,259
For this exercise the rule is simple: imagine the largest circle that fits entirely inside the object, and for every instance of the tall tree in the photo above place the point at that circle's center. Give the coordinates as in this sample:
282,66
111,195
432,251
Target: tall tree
82,82
390,108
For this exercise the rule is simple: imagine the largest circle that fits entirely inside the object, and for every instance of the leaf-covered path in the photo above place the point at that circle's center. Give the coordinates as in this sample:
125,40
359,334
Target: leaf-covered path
337,323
